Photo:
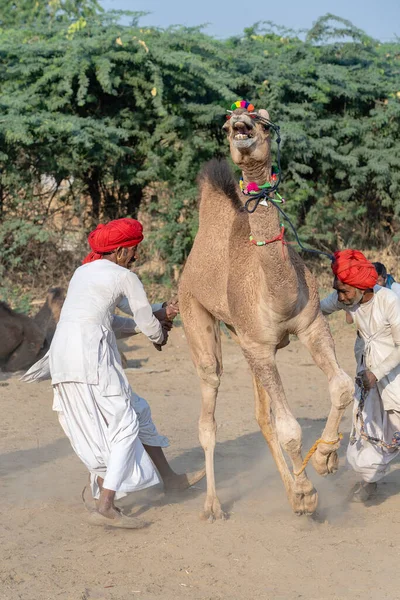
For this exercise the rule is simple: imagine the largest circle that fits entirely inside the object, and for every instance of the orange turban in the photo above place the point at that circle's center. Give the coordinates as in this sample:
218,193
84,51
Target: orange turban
352,268
115,234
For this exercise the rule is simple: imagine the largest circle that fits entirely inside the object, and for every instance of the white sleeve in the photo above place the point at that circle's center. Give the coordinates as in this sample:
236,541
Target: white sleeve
396,288
123,305
140,308
330,304
393,317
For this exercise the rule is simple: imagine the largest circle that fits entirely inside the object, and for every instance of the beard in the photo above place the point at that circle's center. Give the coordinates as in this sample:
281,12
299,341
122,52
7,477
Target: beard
356,300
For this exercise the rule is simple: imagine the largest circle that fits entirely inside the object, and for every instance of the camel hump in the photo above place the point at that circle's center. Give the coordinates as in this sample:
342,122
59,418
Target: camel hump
219,174
55,300
5,309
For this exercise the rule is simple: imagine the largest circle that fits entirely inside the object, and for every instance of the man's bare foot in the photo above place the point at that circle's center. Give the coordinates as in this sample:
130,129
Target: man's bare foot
115,518
363,491
110,512
178,483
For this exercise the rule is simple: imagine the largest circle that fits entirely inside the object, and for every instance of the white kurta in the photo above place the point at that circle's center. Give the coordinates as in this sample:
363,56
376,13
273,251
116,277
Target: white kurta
377,349
396,288
105,421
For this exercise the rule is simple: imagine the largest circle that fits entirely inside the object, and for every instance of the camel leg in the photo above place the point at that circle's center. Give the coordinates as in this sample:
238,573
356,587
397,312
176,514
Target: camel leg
279,427
318,339
24,356
265,420
203,335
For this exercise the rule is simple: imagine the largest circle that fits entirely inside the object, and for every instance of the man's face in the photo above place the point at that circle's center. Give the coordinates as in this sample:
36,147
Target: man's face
128,257
381,281
347,294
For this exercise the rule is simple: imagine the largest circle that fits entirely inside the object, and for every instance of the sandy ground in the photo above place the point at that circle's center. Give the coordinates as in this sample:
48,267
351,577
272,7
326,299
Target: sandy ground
49,551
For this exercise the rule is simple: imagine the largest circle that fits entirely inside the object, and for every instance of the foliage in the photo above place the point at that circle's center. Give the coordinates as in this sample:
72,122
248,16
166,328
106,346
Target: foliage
16,298
121,118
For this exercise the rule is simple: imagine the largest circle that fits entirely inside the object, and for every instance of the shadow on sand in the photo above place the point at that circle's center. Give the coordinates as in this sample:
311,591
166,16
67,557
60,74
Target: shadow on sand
242,465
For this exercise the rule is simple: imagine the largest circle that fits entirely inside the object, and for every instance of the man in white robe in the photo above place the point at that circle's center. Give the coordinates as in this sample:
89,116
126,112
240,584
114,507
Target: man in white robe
376,313
385,279
110,428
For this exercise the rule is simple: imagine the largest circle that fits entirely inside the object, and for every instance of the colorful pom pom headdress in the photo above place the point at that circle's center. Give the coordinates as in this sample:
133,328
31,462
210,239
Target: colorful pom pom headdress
242,104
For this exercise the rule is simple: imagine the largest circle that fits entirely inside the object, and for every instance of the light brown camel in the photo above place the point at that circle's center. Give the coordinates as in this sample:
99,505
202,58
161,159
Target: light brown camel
24,340
263,294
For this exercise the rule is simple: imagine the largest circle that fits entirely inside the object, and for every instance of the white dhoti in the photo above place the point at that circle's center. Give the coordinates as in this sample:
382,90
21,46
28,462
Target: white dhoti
107,433
371,461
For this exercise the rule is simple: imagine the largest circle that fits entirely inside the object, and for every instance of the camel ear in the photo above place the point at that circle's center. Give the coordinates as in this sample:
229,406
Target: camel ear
264,113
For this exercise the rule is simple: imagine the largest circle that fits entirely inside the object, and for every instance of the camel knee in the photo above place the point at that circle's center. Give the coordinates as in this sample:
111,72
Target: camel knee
289,434
210,374
341,390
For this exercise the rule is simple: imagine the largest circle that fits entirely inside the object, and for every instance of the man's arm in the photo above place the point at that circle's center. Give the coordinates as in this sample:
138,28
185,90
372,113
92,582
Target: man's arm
141,309
330,304
124,327
123,306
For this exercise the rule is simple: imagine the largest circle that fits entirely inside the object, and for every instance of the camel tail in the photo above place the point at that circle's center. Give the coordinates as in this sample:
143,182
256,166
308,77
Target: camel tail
218,173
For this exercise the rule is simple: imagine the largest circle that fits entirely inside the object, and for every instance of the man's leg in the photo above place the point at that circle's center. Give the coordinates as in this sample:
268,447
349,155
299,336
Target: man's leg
105,504
367,459
154,443
172,481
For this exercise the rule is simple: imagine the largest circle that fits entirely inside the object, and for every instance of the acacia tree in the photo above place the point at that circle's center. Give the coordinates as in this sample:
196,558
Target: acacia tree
338,106
116,109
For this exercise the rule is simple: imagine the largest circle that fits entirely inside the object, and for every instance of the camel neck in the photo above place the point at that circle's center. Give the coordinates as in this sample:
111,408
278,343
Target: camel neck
265,225
264,222
260,174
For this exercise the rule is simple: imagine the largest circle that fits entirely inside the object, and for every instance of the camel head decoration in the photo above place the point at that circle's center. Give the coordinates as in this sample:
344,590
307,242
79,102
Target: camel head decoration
241,272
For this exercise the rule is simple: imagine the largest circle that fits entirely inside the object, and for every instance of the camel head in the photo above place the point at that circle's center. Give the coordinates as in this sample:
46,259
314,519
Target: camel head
249,138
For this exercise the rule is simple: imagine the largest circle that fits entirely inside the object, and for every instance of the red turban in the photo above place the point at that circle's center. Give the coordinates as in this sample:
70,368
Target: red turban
115,234
352,268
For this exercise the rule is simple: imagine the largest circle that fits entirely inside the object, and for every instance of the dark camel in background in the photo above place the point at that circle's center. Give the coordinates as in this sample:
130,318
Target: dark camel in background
24,340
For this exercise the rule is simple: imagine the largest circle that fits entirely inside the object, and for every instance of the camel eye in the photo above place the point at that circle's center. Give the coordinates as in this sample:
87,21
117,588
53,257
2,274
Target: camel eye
225,128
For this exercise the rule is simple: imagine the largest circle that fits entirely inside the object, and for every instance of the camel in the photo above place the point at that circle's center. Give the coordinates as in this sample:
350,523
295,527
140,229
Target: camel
24,339
262,293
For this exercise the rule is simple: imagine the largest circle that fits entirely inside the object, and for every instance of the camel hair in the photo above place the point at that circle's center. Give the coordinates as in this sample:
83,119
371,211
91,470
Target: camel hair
26,339
262,294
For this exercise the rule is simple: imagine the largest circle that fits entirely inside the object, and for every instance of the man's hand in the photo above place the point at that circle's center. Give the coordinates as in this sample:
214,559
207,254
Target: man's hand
368,379
168,311
166,327
172,308
166,315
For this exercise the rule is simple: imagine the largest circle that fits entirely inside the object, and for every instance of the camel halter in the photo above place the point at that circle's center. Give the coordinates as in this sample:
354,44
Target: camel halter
263,193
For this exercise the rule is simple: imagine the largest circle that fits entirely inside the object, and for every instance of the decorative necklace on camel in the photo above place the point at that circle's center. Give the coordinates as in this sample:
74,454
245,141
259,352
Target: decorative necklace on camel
261,194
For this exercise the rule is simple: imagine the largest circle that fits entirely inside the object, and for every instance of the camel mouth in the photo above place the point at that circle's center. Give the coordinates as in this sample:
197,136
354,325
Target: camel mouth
242,134
243,141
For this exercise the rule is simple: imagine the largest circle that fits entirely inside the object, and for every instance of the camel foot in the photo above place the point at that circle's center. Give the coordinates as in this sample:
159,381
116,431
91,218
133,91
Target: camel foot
364,491
325,459
304,499
213,511
178,483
